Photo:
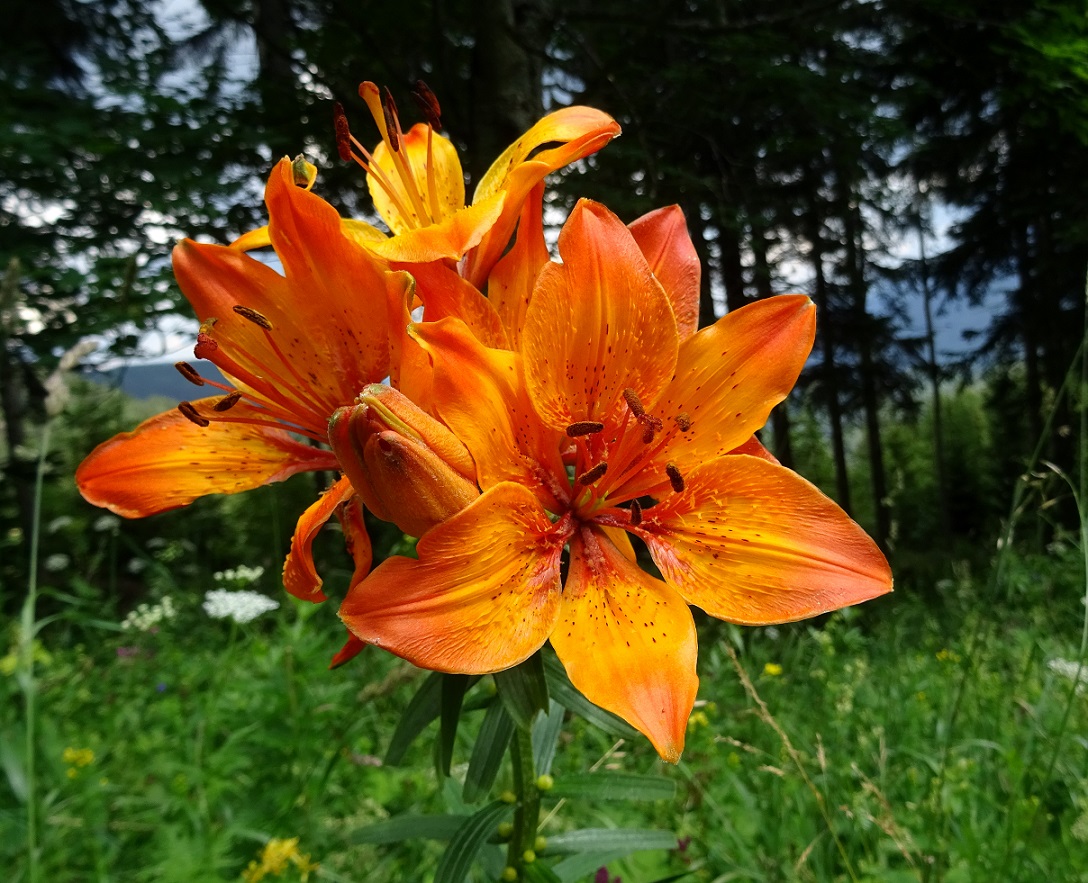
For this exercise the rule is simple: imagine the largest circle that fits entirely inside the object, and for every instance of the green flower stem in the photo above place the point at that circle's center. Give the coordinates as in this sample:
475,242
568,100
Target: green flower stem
527,813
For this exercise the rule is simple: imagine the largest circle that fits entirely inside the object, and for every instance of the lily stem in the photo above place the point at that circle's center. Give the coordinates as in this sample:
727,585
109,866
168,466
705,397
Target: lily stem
521,850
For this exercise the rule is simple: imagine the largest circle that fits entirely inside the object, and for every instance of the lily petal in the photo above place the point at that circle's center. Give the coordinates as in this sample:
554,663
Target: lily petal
598,323
628,643
477,392
728,378
299,574
426,154
483,596
753,543
444,293
448,239
168,461
510,286
663,237
576,131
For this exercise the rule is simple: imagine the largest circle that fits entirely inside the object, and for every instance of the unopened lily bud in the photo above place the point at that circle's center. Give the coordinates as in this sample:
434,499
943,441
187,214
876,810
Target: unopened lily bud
406,466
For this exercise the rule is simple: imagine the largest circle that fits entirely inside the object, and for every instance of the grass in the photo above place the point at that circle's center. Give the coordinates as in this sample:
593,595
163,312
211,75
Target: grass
174,754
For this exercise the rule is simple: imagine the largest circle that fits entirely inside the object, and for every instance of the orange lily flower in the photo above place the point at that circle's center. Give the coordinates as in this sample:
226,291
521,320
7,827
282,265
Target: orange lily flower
613,419
418,187
293,347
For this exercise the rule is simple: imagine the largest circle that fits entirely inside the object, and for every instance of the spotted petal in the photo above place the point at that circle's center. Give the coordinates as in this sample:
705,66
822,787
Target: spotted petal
628,643
598,323
753,543
483,595
663,237
168,461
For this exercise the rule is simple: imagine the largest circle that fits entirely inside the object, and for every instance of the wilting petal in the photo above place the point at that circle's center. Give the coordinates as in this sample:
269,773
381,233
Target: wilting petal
352,648
628,643
168,461
483,596
754,543
444,293
479,395
576,132
663,237
299,575
510,286
448,239
598,323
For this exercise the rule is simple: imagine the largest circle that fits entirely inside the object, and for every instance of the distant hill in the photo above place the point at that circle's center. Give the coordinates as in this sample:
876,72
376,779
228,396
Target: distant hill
147,379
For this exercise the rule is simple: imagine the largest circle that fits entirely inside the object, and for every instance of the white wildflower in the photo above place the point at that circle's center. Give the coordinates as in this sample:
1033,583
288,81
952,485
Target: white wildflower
106,522
240,575
240,606
58,523
56,563
1071,670
147,616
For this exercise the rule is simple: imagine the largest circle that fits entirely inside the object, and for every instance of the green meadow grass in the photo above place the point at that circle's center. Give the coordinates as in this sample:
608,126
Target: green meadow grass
906,740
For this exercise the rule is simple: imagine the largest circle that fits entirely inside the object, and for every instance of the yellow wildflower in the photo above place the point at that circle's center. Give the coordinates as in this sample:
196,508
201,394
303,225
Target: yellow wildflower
772,669
278,854
78,757
697,719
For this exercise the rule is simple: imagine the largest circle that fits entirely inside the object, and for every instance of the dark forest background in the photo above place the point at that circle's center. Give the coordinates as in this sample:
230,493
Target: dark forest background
891,158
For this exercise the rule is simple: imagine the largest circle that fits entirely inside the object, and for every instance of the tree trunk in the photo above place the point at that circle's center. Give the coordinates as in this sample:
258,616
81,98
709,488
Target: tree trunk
870,398
507,77
13,403
780,416
827,372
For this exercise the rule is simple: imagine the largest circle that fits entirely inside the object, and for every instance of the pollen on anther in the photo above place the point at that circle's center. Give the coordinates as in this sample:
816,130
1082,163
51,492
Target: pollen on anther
584,427
189,373
675,478
428,104
633,402
683,421
343,133
228,401
389,109
253,316
636,512
190,413
591,475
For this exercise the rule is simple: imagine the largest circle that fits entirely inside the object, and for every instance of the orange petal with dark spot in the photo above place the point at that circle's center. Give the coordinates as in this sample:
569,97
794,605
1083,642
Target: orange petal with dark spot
168,461
598,323
482,596
628,643
753,543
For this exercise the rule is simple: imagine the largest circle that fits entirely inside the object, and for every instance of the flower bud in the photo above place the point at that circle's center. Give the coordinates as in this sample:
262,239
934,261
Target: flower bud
406,466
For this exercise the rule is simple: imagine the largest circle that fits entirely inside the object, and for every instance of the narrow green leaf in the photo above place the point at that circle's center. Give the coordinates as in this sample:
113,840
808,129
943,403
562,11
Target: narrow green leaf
546,730
424,707
524,690
623,840
412,826
453,694
614,786
564,692
471,835
487,753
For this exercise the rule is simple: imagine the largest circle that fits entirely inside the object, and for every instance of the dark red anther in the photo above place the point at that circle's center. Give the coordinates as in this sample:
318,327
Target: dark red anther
189,373
428,104
683,421
343,133
591,475
636,512
191,413
228,401
205,346
389,108
584,427
633,402
675,478
650,427
253,316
